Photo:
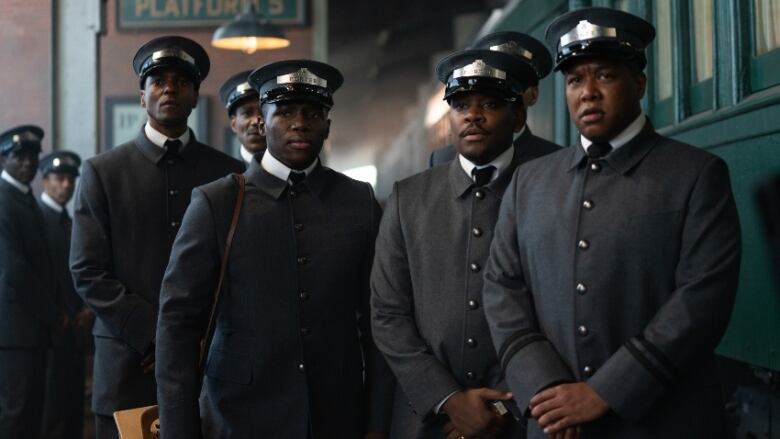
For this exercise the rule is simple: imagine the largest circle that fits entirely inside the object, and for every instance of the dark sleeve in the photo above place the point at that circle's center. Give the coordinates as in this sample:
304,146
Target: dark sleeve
19,282
380,382
423,378
185,301
431,159
129,316
691,322
528,359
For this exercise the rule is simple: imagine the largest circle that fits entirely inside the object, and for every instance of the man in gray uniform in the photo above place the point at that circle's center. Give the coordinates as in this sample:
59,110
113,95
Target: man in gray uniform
615,262
243,108
432,245
528,50
29,308
128,210
292,356
63,415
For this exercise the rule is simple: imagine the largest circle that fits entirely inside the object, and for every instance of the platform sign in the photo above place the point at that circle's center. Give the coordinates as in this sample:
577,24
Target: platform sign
135,14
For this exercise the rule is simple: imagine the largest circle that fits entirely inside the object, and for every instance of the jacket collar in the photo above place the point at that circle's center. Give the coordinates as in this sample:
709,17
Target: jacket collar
315,181
624,158
155,154
460,182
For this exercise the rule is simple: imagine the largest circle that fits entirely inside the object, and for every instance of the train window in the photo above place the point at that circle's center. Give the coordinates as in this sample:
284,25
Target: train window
765,59
701,28
767,25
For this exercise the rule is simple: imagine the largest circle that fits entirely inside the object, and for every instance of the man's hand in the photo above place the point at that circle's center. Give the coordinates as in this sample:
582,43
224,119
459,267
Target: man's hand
568,433
84,320
472,415
566,405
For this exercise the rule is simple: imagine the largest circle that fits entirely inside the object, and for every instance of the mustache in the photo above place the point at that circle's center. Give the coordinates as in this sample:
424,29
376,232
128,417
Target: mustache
473,129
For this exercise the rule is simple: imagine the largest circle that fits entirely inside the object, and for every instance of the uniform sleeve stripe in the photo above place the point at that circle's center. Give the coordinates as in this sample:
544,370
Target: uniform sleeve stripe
520,344
647,364
660,357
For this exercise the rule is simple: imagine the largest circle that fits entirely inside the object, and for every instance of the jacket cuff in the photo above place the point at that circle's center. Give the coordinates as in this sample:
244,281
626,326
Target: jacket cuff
430,387
140,328
629,383
532,369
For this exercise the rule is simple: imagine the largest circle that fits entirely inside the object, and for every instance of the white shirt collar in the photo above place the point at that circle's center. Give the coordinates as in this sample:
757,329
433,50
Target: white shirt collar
501,163
246,154
624,137
15,183
49,201
159,138
278,169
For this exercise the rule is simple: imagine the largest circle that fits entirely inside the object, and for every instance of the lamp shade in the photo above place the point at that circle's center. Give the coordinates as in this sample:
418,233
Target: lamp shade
249,32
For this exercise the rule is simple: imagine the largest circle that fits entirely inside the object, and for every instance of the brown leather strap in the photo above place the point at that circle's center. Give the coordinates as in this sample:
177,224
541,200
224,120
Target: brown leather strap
206,342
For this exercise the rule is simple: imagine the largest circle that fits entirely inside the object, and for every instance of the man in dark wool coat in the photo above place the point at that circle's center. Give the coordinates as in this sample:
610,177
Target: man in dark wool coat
29,308
292,356
614,265
528,50
128,210
432,245
63,414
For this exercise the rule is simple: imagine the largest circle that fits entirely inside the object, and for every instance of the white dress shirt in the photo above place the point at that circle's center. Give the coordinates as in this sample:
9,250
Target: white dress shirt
624,137
14,182
159,138
279,170
49,201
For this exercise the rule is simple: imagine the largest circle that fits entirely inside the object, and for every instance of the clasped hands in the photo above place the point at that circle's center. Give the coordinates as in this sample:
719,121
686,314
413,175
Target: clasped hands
472,414
561,409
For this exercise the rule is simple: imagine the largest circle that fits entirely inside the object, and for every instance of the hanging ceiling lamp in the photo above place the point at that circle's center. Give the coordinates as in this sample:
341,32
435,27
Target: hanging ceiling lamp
249,31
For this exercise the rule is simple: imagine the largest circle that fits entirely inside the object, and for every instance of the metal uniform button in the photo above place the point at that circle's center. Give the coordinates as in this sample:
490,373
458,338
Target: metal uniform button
582,289
170,161
173,192
301,368
587,204
305,331
302,260
298,227
471,342
475,267
476,231
595,167
473,304
293,193
479,194
471,375
582,330
174,224
588,371
304,296
583,244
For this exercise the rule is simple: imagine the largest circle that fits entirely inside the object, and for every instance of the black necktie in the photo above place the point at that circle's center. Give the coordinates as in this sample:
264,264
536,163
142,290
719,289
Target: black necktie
482,176
172,147
66,223
296,177
598,150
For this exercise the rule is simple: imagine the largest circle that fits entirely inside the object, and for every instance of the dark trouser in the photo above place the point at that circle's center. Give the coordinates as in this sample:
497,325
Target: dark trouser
22,378
105,427
63,414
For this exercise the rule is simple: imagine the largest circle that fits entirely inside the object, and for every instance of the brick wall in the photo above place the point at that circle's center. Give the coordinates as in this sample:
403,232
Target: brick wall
25,65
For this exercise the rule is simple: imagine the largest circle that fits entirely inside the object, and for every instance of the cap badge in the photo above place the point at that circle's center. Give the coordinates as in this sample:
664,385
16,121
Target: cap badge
56,162
241,88
586,30
512,48
302,76
173,52
478,68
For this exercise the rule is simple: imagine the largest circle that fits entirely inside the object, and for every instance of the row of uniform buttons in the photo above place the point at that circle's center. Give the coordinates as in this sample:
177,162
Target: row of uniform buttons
581,289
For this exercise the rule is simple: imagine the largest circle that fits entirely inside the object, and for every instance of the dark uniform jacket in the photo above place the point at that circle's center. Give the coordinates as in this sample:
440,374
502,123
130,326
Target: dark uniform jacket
127,211
28,298
58,230
427,288
621,273
286,360
531,145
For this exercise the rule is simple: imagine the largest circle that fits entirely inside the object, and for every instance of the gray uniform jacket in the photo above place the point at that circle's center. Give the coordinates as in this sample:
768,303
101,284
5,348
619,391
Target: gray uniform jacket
28,292
427,289
531,146
287,358
128,209
621,273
